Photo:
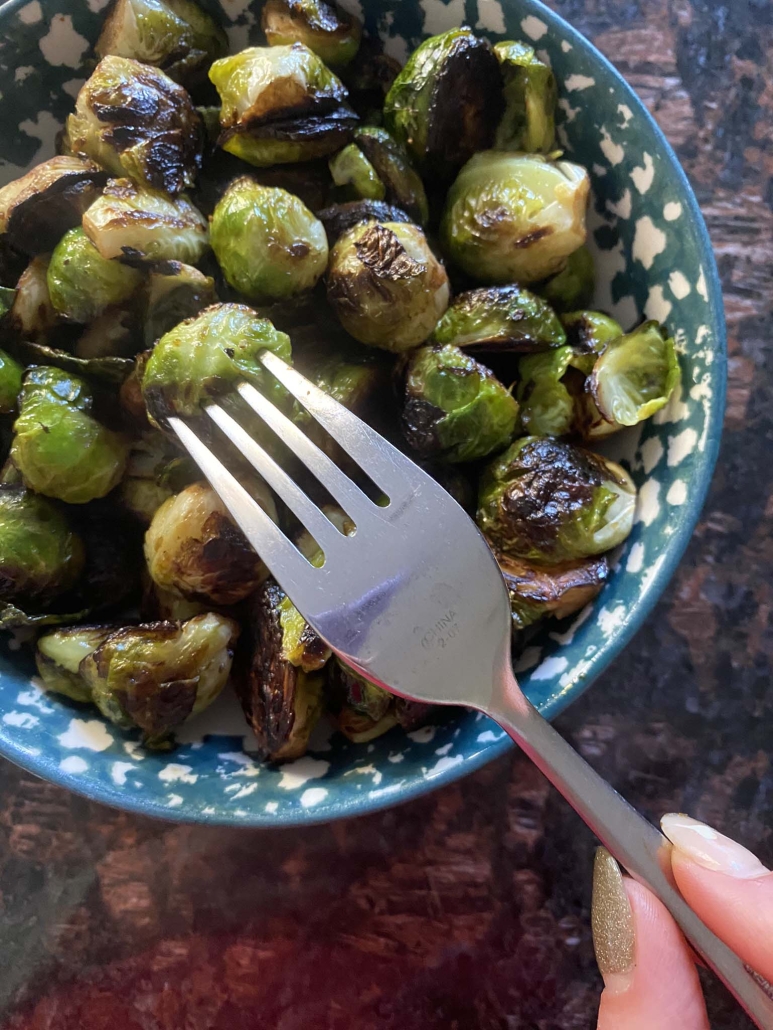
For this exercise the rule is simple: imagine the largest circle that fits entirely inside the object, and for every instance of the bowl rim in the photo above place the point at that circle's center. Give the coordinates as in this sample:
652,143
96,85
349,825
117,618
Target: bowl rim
364,804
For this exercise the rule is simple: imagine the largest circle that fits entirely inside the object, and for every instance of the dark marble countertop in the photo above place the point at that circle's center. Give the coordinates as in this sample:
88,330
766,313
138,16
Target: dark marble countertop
468,909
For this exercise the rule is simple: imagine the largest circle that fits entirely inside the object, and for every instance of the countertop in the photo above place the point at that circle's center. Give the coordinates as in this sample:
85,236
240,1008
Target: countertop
468,908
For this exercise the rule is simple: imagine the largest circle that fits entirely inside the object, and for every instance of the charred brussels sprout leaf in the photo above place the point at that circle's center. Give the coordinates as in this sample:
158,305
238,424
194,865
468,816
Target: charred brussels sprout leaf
446,103
454,408
82,284
589,332
550,502
573,287
325,28
107,369
386,286
350,168
32,315
174,292
134,121
194,548
267,242
635,375
514,217
340,218
291,140
59,654
10,383
142,224
40,556
547,405
155,676
38,209
389,163
206,355
499,318
174,35
58,446
530,93
558,591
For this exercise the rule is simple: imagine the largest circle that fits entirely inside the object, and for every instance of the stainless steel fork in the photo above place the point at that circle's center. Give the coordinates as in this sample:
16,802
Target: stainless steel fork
414,600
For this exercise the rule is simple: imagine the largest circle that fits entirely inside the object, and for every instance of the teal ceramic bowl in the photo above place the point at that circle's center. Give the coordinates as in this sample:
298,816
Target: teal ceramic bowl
653,258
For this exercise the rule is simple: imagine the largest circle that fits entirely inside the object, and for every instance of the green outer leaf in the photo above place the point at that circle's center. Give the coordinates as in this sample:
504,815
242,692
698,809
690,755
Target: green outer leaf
403,184
12,617
350,167
10,382
530,92
635,375
547,407
500,315
107,369
82,283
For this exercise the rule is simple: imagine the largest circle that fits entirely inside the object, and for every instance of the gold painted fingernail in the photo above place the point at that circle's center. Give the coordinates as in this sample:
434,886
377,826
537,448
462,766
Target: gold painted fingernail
612,922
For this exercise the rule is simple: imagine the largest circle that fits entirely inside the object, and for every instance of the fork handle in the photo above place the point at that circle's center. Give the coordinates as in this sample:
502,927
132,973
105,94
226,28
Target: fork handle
633,840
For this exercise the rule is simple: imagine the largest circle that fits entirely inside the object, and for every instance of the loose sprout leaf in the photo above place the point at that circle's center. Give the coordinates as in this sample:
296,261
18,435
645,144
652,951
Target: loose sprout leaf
32,315
402,184
530,94
108,369
547,406
350,168
635,375
499,318
14,617
82,284
327,29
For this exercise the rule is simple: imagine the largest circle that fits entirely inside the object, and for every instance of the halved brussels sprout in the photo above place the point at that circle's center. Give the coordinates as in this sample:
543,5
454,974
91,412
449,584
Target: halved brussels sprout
38,209
340,218
514,217
589,332
455,409
174,292
635,375
530,92
113,334
10,383
350,168
206,355
386,286
499,318
59,654
550,502
142,224
446,103
58,446
547,404
194,547
557,591
174,35
378,168
282,703
571,288
156,676
267,242
82,284
323,27
32,315
40,556
134,121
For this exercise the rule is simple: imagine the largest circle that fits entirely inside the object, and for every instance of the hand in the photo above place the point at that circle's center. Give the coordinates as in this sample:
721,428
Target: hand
650,978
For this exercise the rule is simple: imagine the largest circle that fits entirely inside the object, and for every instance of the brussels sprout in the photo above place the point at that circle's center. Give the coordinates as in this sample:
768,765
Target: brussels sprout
557,591
82,284
142,224
547,404
59,654
59,448
531,93
281,701
454,408
351,168
40,556
174,35
369,77
174,292
340,218
291,140
267,242
144,487
378,169
635,375
550,502
514,217
589,332
365,710
194,547
386,286
325,28
134,121
573,287
109,369
446,103
206,356
499,318
10,383
156,676
32,315
38,209
167,605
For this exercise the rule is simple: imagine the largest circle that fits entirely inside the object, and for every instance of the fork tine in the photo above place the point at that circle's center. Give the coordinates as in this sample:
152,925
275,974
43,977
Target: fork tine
312,517
390,469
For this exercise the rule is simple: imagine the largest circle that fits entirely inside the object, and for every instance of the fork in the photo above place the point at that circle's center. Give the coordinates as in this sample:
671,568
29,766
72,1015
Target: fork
413,600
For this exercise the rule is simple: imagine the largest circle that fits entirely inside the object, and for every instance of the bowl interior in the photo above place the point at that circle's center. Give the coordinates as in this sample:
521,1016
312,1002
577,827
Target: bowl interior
653,259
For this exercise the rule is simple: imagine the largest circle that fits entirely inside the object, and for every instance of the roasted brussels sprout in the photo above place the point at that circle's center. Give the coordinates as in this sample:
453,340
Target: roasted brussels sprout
589,332
59,654
455,409
547,404
550,502
134,121
635,375
325,28
194,547
206,355
365,710
174,35
340,218
167,606
38,209
351,169
530,92
379,169
144,487
58,446
557,591
291,140
446,103
514,217
174,292
369,77
156,676
32,315
40,556
499,318
571,288
141,224
10,383
82,284
386,286
113,334
267,242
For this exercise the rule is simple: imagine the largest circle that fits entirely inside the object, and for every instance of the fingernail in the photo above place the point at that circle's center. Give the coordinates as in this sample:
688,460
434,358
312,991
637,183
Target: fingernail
711,849
612,922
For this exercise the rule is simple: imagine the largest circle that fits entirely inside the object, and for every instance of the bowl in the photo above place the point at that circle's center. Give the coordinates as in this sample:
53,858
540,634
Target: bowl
653,259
